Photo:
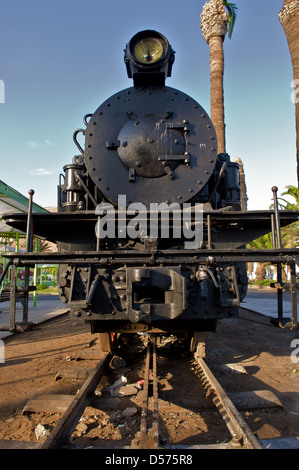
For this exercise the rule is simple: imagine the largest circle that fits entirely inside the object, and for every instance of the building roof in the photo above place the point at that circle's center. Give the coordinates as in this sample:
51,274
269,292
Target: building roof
13,201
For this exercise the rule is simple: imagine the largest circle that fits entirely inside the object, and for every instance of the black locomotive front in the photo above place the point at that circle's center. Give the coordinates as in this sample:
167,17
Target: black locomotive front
150,150
149,229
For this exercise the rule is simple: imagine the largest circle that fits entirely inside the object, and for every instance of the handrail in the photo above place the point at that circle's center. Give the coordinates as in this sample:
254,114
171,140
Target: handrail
5,271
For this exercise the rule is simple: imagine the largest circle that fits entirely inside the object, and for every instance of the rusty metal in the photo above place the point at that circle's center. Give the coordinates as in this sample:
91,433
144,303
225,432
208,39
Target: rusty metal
155,398
148,437
241,434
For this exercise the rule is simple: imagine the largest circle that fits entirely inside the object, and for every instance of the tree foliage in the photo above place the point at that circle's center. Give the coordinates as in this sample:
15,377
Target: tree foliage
290,233
232,16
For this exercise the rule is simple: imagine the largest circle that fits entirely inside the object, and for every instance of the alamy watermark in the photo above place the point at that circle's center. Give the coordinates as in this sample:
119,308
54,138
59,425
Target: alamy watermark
295,352
2,352
2,91
187,221
295,93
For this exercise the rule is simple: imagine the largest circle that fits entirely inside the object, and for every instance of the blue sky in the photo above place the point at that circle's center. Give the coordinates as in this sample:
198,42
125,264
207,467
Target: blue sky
59,60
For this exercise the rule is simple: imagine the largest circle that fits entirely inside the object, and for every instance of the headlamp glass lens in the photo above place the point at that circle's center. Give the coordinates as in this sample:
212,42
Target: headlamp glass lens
148,50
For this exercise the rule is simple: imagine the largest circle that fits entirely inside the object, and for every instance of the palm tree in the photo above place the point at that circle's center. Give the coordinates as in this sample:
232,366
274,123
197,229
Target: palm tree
260,243
218,18
289,19
290,233
216,15
287,205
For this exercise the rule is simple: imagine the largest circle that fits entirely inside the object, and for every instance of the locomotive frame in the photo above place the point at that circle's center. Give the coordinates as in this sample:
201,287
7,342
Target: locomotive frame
153,144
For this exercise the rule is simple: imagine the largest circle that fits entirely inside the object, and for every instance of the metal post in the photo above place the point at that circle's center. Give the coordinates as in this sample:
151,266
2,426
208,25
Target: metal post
209,232
5,271
279,243
35,275
294,296
273,231
13,299
29,233
29,237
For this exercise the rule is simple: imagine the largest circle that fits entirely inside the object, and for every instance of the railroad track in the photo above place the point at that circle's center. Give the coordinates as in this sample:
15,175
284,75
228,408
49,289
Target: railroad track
150,436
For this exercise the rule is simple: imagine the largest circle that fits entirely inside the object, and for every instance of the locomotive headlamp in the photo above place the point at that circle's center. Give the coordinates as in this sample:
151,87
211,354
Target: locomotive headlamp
148,50
149,58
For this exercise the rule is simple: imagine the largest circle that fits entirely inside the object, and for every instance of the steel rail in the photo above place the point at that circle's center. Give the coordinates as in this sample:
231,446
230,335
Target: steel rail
144,410
148,438
65,426
155,397
242,436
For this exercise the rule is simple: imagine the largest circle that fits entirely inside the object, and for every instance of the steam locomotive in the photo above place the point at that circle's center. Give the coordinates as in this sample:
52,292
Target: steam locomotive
149,221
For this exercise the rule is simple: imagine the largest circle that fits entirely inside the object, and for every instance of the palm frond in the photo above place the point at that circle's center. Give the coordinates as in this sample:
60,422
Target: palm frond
232,16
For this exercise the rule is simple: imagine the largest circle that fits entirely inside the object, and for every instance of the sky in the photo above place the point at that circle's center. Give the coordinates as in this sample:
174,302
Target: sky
59,60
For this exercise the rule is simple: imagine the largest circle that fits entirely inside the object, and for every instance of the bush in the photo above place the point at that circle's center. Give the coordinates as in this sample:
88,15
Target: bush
41,286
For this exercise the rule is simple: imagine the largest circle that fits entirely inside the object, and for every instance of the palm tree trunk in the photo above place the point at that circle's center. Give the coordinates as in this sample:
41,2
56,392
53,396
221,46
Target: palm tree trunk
214,28
216,79
289,19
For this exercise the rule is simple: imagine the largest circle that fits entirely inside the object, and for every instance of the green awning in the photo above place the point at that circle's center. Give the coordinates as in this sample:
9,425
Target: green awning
13,201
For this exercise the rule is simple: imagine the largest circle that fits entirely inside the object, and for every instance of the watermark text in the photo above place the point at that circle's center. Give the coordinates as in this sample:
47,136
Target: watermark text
295,93
2,91
295,352
2,352
136,221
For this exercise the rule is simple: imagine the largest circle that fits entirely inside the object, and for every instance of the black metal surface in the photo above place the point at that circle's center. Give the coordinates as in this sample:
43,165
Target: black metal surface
169,257
148,130
228,229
